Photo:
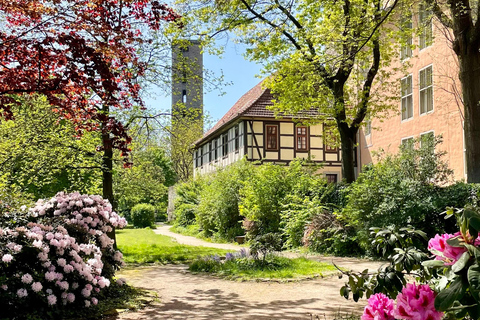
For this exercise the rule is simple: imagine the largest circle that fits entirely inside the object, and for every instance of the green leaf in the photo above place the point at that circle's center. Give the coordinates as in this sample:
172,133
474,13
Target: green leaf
455,242
447,297
433,264
473,276
461,263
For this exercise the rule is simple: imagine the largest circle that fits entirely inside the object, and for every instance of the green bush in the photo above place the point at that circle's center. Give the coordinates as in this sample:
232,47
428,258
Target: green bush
218,211
186,201
143,215
402,189
264,196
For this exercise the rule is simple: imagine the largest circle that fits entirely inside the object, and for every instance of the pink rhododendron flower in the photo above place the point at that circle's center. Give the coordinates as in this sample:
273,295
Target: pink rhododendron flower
36,286
95,301
443,251
379,307
70,297
7,258
22,293
87,303
51,299
416,302
27,278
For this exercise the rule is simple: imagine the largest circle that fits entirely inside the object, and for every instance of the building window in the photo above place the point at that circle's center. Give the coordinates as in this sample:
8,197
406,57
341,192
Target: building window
237,139
427,140
368,127
407,142
301,138
272,137
426,90
225,144
407,98
331,177
406,49
184,96
213,150
330,139
425,23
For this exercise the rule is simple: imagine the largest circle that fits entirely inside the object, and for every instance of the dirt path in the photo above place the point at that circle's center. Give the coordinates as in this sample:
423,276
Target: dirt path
201,297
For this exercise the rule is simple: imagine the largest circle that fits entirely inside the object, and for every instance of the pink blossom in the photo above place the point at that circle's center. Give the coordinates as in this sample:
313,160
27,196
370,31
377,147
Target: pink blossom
70,297
443,251
22,293
94,301
27,278
51,299
37,286
87,303
86,293
121,281
416,302
50,276
37,243
7,258
17,248
379,307
68,268
4,287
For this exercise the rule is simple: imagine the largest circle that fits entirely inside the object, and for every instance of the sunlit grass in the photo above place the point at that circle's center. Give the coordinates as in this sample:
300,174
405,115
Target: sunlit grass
274,268
144,246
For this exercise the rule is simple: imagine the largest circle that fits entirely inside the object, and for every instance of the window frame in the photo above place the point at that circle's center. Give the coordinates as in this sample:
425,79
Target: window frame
406,51
237,138
267,135
406,97
306,135
326,147
425,24
404,140
328,175
225,144
420,90
368,127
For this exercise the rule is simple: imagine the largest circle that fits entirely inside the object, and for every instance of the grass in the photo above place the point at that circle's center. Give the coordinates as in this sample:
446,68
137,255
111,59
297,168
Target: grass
274,268
144,246
195,231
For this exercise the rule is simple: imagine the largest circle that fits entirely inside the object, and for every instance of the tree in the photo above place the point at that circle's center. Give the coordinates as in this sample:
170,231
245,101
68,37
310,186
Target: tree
461,18
321,55
82,56
40,165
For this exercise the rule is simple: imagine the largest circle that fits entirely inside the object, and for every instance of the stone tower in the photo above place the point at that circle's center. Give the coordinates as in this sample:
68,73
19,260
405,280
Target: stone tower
187,79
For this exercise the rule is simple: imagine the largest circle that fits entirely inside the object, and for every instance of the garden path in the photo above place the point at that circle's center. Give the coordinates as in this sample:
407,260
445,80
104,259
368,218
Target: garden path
187,296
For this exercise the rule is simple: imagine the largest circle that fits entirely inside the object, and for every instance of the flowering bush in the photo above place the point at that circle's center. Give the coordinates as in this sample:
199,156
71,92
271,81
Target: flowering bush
59,254
451,281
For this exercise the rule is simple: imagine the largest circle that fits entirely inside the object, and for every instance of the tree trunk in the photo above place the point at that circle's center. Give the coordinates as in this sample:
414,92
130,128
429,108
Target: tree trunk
469,74
107,169
347,136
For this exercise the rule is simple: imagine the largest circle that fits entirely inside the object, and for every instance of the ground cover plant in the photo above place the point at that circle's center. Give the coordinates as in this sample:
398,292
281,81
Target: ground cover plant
144,246
243,266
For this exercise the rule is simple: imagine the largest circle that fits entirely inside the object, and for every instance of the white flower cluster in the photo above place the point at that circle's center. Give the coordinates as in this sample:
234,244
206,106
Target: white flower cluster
65,248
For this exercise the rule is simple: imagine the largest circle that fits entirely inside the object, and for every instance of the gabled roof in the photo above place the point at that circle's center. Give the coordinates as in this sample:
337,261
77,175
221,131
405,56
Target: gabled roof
252,104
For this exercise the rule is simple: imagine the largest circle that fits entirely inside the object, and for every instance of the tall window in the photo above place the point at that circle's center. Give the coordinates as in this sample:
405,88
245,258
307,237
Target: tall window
425,23
426,90
329,139
406,49
301,138
368,127
407,142
237,141
272,137
407,98
427,140
213,150
225,144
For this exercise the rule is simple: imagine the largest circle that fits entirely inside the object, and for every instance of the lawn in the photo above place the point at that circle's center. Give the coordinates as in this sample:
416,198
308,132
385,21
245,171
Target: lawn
144,246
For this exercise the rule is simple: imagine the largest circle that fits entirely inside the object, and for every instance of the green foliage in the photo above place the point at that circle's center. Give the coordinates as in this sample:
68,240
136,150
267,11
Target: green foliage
263,197
143,215
265,244
218,211
401,189
145,182
186,201
41,155
144,246
273,267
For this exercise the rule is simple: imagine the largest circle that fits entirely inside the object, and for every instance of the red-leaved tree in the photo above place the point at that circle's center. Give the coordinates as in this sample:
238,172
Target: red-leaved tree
80,54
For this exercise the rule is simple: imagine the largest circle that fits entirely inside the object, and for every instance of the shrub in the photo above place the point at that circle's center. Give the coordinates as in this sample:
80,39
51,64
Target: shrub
186,201
218,212
399,190
265,244
143,215
264,195
57,255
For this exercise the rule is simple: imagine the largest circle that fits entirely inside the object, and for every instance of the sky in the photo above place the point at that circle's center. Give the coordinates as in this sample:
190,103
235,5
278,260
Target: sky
236,70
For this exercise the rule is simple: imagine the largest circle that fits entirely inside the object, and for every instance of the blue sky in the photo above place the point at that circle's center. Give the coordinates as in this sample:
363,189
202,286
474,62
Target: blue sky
240,72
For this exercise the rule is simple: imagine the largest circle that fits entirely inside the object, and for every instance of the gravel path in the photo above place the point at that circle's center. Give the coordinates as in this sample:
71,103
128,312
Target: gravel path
201,297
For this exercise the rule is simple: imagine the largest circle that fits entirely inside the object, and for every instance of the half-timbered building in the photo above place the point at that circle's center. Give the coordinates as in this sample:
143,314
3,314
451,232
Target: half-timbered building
249,129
